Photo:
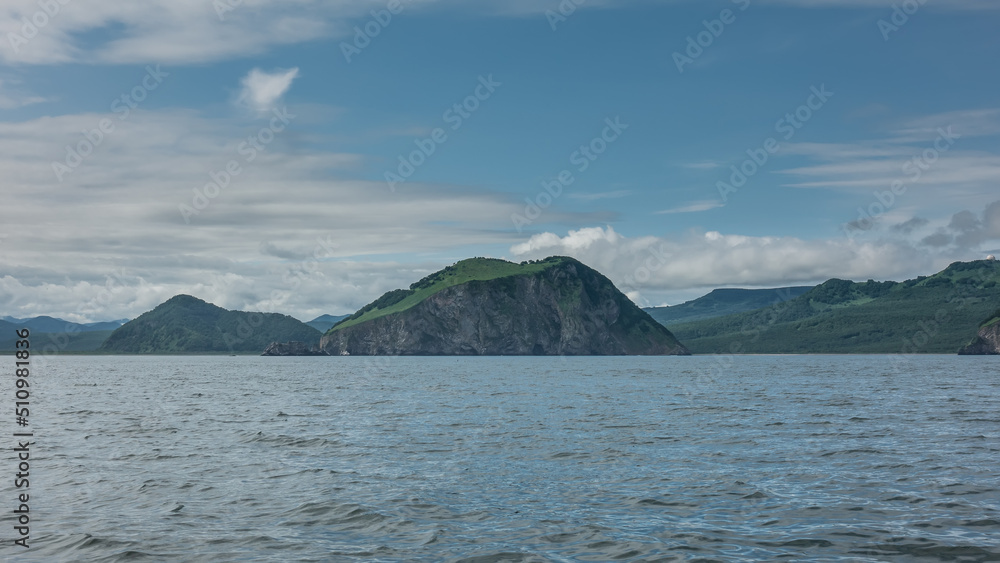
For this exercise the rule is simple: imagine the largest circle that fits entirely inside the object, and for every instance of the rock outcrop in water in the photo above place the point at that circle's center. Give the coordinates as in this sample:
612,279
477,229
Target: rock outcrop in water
479,307
292,349
987,342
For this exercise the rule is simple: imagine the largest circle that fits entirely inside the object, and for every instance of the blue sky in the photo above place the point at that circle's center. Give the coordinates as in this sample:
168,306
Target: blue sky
834,98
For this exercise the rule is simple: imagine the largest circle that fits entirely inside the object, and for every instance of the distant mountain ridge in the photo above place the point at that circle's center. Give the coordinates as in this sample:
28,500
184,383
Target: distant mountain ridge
324,323
837,316
929,314
54,325
483,306
186,324
722,302
53,335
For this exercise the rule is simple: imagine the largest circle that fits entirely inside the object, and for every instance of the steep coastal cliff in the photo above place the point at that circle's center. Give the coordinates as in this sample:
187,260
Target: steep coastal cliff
556,306
987,342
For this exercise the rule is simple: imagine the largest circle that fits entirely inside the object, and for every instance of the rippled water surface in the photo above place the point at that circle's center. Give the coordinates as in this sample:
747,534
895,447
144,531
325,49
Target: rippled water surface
814,458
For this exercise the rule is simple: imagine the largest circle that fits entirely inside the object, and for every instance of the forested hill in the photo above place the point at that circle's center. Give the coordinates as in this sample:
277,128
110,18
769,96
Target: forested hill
935,314
186,324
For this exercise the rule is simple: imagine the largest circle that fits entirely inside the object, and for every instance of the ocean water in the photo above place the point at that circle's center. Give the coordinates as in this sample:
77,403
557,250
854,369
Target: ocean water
763,458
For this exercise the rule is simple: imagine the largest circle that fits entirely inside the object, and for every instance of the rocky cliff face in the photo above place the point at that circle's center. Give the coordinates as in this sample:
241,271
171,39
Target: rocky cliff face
567,309
987,342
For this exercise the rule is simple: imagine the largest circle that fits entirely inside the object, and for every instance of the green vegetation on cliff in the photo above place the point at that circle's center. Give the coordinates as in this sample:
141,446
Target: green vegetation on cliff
925,315
473,269
987,341
186,324
481,306
994,319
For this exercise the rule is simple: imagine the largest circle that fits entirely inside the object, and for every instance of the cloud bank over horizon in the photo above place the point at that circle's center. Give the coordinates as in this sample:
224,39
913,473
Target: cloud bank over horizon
237,155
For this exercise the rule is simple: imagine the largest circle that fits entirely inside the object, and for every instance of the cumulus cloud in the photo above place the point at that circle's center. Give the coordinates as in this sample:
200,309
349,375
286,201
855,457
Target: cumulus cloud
303,289
911,225
971,230
916,165
967,231
658,266
262,90
329,243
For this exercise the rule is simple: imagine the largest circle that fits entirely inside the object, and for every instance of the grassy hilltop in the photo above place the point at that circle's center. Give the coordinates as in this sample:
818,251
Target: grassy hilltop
473,269
483,306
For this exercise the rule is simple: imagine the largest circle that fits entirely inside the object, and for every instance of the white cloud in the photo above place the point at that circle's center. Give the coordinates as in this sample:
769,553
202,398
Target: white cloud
118,212
115,217
694,207
262,90
650,268
881,4
703,165
11,98
929,159
601,195
192,31
166,31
